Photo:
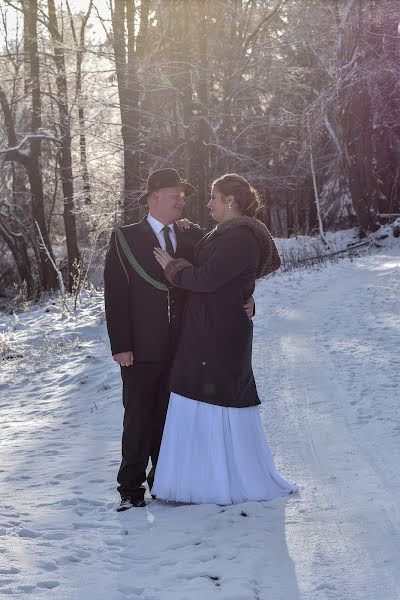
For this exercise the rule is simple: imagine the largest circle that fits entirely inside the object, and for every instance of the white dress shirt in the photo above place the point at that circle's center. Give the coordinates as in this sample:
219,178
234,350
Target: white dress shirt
157,227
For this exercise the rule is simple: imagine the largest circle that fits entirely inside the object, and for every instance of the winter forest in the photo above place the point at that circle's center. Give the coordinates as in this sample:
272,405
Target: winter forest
299,96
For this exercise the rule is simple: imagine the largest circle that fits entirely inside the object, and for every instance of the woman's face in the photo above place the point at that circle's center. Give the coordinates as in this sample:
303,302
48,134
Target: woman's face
218,205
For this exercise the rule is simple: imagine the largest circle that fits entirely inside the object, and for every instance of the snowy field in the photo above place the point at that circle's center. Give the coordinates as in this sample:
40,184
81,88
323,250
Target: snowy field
327,364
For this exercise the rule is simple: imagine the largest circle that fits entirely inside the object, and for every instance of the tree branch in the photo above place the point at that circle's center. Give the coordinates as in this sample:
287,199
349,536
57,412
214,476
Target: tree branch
40,135
263,22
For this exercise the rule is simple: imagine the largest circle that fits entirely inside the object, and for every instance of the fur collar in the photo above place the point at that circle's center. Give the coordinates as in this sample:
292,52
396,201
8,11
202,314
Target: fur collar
270,260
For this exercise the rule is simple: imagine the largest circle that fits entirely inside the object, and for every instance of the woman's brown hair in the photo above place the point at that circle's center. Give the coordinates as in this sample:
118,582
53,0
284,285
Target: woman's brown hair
245,196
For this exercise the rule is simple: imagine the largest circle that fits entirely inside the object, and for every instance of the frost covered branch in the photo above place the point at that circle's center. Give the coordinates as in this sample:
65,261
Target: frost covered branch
39,135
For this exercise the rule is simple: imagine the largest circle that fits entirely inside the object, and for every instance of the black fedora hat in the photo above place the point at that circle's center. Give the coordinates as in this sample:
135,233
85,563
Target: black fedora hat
163,178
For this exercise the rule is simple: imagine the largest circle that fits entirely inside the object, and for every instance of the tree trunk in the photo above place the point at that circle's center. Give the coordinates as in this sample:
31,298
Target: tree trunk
203,126
65,152
316,195
32,163
129,96
80,48
19,250
196,128
363,186
81,114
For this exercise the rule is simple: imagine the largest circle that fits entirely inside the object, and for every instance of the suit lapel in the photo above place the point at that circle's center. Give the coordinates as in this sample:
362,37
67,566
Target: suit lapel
145,247
145,228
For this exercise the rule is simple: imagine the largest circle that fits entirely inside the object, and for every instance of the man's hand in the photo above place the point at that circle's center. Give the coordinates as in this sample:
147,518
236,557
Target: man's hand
124,359
249,307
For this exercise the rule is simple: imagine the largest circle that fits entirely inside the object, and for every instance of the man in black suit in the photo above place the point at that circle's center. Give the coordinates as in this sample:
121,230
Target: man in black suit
143,314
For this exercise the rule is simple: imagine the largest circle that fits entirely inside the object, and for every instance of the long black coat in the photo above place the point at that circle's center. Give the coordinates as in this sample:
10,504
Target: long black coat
137,312
213,359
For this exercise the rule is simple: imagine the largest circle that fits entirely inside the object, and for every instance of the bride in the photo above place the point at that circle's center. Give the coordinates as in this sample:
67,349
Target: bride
214,449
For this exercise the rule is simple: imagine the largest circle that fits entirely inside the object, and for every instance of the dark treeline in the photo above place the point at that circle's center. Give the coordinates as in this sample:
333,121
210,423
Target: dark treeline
299,96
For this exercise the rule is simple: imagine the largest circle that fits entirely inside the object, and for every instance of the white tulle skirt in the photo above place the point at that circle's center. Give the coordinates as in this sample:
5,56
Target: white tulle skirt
215,455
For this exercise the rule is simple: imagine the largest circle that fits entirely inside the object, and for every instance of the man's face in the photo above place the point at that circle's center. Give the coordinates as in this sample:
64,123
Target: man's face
167,204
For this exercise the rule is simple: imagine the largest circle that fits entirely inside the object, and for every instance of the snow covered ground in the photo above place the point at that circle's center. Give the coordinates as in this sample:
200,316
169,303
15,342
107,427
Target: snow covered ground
327,364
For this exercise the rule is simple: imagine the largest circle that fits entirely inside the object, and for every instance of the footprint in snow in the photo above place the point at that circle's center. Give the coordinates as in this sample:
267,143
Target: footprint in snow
131,592
49,584
325,586
27,588
55,535
28,533
73,559
48,566
9,571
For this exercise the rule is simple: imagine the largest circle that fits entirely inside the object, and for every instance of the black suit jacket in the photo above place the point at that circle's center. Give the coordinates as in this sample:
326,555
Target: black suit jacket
137,312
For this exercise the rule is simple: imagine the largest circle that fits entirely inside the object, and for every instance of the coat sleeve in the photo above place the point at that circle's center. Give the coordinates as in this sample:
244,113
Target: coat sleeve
116,297
235,252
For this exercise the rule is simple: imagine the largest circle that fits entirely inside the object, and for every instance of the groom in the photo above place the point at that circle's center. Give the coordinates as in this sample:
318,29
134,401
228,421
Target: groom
143,314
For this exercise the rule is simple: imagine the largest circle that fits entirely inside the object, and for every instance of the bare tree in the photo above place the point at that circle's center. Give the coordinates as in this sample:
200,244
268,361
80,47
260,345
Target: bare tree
80,49
27,151
126,54
66,168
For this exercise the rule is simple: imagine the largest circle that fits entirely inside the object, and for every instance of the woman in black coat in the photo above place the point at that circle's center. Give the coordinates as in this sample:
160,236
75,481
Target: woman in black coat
214,449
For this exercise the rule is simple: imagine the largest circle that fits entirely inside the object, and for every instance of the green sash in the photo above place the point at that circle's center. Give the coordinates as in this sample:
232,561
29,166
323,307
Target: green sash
138,268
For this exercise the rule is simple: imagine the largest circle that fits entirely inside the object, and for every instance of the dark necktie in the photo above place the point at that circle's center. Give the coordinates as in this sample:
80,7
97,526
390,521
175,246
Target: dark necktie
168,242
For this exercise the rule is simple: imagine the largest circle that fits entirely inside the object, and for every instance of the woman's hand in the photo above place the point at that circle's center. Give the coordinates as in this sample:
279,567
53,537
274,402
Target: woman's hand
162,257
185,224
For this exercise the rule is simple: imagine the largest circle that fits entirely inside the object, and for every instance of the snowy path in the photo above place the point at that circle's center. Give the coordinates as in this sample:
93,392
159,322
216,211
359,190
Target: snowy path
335,370
327,365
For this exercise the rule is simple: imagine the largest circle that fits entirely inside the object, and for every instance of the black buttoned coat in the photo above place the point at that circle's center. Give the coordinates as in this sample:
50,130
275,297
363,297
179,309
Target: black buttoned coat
213,359
136,312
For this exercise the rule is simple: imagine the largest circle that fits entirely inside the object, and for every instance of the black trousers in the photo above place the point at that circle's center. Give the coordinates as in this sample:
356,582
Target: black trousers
145,397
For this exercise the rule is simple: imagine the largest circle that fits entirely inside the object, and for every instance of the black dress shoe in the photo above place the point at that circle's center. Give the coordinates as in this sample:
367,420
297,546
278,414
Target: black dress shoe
127,503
